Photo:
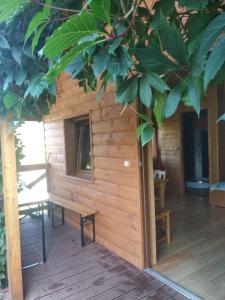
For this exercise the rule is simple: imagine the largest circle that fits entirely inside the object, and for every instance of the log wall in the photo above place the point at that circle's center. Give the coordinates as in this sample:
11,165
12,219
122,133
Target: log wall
114,188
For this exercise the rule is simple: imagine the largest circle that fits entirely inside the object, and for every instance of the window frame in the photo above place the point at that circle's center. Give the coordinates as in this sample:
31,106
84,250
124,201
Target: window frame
71,154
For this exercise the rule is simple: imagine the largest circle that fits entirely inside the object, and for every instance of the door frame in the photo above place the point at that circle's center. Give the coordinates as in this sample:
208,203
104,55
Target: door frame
148,207
182,145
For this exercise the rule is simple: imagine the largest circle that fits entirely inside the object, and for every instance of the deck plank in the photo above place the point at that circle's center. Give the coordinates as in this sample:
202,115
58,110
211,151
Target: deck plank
75,272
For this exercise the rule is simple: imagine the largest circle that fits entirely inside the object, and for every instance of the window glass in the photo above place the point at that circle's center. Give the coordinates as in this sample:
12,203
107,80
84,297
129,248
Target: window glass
78,146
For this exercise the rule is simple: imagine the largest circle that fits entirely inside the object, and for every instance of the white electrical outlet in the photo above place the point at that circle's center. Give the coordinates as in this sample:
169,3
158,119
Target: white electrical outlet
126,163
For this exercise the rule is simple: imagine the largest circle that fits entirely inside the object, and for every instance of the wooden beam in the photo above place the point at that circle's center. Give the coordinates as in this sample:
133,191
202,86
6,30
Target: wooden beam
151,206
35,167
11,212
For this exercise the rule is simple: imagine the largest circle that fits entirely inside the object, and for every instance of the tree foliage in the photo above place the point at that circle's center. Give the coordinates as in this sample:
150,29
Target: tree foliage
159,53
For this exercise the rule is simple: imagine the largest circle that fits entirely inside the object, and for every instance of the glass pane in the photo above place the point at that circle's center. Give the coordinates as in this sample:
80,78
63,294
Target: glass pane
85,148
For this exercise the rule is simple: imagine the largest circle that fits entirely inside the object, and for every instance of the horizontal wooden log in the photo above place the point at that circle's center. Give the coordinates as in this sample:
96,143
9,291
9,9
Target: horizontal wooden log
115,125
120,151
25,168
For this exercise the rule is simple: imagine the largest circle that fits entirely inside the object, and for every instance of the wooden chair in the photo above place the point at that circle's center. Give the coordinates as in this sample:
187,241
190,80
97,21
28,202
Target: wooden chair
160,174
163,219
160,186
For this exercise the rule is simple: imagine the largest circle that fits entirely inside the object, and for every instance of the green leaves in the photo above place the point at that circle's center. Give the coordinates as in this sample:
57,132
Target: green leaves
173,100
215,61
149,80
211,33
8,9
172,41
193,4
151,59
222,118
145,92
10,99
120,63
38,24
100,63
159,107
64,62
127,90
194,94
17,54
145,133
101,9
4,43
157,82
70,33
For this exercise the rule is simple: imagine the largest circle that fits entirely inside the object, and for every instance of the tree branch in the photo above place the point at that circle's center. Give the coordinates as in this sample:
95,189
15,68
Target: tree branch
123,34
54,7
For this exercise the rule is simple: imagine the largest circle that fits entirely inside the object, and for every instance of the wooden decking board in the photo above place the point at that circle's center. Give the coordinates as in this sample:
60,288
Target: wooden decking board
100,285
124,287
52,270
177,297
195,258
163,293
49,265
142,290
45,270
74,284
75,275
75,267
85,285
73,272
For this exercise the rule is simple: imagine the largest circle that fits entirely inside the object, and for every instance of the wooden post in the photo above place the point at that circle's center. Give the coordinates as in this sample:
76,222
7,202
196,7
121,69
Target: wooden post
151,206
11,212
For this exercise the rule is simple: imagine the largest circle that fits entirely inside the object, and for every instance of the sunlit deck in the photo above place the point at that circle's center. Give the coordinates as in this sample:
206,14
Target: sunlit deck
73,272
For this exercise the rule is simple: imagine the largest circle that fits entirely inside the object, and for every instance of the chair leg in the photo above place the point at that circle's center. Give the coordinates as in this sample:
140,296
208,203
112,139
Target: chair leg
168,228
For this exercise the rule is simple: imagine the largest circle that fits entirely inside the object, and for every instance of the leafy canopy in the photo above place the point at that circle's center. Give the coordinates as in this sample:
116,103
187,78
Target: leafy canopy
158,53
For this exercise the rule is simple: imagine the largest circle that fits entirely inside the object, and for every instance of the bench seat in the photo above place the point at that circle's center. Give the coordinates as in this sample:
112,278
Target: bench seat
74,206
87,215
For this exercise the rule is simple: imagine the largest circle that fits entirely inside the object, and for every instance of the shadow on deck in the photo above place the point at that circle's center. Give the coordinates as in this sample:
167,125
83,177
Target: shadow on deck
73,272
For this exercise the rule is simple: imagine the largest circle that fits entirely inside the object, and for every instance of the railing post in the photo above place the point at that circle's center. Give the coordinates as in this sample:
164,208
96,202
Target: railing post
8,154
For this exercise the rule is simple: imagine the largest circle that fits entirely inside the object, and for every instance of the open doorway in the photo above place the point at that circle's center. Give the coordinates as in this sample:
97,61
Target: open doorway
194,256
195,153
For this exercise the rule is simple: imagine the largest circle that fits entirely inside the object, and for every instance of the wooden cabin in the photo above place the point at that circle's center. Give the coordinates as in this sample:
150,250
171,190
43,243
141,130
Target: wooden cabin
119,179
112,185
95,160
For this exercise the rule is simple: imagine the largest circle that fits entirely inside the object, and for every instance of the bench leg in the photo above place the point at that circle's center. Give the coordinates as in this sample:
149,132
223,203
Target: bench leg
52,214
43,233
49,209
62,214
93,224
83,220
82,231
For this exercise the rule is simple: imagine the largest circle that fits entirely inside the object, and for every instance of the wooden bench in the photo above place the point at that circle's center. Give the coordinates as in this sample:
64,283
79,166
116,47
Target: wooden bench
87,215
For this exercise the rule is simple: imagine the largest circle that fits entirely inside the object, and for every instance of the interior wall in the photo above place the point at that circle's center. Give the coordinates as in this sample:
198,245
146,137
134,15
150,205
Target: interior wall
115,188
170,147
170,143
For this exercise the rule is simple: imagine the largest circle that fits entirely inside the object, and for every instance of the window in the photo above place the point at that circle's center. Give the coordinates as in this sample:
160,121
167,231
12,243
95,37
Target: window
78,147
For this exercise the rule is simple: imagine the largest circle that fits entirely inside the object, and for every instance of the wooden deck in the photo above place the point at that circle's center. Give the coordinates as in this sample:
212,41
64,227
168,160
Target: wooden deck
195,258
72,272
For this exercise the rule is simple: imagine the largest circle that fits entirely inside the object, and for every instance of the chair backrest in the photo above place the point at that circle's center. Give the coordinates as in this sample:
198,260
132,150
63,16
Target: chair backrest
160,174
